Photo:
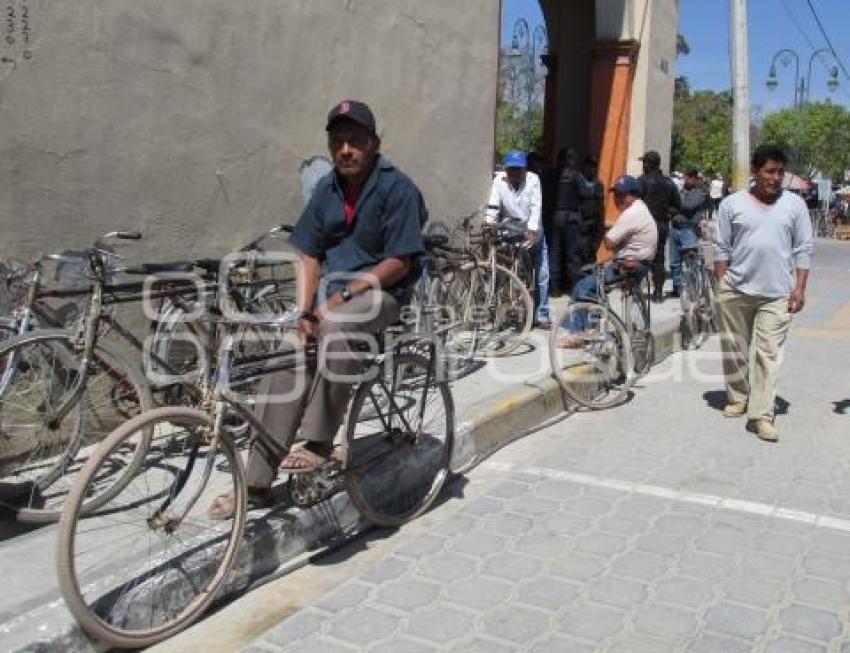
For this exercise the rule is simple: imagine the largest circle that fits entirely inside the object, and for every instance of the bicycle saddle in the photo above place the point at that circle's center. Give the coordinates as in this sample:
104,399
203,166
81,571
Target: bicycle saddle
160,268
210,265
435,240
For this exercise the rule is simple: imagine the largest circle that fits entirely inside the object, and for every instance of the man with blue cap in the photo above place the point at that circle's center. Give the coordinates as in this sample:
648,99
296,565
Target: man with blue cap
633,239
516,196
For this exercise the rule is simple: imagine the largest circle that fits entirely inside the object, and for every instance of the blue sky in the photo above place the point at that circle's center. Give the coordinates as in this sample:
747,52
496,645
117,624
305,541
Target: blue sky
773,25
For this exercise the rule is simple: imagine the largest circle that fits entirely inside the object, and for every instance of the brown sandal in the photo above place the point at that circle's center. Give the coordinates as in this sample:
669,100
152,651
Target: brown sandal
302,461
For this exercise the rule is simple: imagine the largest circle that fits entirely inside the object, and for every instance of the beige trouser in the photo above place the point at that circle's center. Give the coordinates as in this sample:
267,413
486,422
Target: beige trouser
316,398
753,331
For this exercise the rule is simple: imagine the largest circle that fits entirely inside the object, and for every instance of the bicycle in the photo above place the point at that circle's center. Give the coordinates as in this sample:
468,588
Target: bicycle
63,389
501,300
60,390
697,299
596,354
163,551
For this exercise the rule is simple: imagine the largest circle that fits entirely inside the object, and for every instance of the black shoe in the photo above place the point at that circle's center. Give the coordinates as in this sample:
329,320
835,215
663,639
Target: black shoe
543,325
675,294
658,295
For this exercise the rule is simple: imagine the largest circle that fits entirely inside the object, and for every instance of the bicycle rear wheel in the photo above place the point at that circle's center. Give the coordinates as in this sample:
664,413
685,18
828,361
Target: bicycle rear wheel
503,307
399,441
41,449
590,355
149,562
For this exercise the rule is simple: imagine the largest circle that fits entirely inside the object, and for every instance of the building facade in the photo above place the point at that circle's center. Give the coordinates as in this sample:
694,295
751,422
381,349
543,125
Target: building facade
188,120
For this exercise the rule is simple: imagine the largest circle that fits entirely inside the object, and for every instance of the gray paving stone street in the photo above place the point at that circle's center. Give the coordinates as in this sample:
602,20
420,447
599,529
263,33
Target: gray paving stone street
658,526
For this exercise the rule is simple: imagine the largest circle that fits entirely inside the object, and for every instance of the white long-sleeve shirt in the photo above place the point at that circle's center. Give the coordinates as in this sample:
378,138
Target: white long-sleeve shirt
523,204
764,244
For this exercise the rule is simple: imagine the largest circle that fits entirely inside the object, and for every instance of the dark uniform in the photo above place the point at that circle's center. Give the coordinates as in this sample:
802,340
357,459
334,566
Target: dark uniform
388,219
662,198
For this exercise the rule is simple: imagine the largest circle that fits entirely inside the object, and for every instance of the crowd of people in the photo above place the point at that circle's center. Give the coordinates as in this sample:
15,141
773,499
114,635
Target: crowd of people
563,209
763,248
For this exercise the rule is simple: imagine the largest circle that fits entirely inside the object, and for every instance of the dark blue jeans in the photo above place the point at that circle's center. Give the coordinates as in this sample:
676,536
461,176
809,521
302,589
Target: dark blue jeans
586,289
680,238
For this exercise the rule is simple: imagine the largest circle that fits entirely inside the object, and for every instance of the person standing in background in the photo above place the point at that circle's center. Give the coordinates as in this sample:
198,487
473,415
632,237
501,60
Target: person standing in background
516,195
715,192
592,225
567,242
660,195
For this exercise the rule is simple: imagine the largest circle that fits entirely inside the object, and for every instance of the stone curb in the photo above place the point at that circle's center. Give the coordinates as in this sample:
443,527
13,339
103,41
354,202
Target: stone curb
283,540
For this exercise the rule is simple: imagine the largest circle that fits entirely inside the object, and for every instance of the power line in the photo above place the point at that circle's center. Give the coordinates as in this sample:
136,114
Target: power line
811,44
828,41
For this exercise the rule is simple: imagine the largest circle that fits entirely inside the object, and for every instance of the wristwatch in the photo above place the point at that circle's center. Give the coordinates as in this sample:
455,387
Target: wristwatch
346,295
309,316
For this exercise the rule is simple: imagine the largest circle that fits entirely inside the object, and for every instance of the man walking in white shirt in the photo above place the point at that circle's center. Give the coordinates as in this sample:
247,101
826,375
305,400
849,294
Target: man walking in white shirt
763,254
516,196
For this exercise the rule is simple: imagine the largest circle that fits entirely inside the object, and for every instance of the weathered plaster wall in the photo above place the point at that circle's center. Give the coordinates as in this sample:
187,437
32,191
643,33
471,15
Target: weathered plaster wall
188,119
656,22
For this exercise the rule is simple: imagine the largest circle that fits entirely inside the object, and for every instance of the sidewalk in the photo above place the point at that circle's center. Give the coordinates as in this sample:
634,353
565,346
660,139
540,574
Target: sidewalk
495,405
658,527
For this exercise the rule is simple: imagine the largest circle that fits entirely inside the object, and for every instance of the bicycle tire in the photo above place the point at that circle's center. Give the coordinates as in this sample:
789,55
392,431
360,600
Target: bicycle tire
505,309
642,342
450,292
384,456
101,598
597,375
55,455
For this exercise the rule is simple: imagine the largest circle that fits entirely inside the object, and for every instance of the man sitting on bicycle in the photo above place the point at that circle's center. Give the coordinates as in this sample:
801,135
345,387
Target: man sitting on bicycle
684,230
633,238
360,235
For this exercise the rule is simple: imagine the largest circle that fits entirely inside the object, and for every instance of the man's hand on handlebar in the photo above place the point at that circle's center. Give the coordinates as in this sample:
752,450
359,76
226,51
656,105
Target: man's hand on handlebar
531,238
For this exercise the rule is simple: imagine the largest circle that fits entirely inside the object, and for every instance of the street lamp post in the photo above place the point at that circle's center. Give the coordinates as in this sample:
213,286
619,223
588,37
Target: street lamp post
534,43
802,86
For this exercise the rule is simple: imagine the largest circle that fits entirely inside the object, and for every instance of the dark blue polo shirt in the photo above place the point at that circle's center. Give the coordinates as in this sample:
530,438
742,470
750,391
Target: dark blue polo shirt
388,221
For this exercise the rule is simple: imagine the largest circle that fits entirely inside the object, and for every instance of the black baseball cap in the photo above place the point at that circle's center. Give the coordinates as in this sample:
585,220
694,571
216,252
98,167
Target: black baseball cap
652,158
353,110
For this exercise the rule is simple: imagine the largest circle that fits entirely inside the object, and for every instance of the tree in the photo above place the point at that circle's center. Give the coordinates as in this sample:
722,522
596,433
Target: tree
702,131
512,129
817,137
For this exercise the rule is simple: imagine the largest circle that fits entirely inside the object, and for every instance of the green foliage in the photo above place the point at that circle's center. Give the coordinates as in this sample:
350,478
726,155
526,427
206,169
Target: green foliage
702,130
817,137
516,130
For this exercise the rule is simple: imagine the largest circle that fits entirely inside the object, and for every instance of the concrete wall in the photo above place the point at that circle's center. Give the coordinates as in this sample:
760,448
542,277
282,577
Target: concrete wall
187,119
656,24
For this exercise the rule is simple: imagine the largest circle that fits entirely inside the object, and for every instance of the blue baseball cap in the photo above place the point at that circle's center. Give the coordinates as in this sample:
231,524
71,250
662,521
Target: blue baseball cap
514,159
626,184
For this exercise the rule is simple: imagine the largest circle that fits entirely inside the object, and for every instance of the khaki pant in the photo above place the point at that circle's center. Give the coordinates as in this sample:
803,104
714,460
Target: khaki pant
753,332
318,399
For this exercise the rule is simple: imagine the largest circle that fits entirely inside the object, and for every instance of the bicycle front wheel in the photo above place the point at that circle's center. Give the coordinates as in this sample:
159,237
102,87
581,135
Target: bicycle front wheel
48,426
590,355
641,340
399,441
149,562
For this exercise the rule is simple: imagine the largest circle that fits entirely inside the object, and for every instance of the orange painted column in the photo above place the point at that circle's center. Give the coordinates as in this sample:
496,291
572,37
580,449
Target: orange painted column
612,78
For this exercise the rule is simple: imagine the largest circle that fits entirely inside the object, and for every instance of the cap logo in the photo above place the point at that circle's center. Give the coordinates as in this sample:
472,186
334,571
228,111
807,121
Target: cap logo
344,107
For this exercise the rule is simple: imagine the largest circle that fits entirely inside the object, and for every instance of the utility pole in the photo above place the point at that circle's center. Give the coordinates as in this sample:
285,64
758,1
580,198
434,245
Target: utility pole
740,95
